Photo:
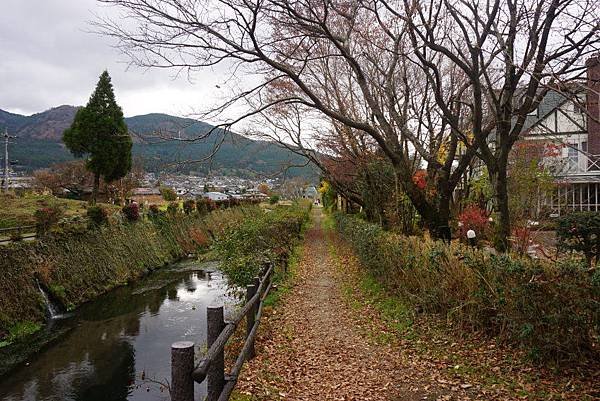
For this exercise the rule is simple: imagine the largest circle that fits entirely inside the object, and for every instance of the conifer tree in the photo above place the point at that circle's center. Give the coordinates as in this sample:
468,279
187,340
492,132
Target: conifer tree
100,134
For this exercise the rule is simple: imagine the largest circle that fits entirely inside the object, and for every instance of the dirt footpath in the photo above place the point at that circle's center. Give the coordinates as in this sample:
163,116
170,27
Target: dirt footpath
311,347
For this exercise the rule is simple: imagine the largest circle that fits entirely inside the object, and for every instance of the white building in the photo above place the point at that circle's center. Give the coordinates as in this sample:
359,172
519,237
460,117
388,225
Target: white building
216,196
572,137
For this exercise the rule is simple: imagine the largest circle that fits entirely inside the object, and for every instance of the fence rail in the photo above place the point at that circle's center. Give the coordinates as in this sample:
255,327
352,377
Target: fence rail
21,228
212,366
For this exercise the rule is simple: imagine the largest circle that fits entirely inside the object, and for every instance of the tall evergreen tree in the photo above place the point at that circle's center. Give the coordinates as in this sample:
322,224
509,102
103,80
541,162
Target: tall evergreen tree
99,133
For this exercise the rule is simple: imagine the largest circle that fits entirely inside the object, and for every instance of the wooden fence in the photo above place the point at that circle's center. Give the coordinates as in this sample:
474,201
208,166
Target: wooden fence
12,229
20,232
212,367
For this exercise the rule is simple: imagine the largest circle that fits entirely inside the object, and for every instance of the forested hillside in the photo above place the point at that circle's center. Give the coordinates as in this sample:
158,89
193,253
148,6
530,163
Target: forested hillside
39,145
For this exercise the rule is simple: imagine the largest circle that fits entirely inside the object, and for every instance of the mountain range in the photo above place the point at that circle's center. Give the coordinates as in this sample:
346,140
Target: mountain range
38,144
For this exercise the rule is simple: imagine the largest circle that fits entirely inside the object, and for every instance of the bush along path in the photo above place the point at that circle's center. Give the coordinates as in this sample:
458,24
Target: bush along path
336,335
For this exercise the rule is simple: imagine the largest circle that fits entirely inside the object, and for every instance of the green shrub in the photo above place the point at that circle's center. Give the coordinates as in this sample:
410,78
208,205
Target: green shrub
168,194
274,199
153,211
98,216
77,266
580,232
245,248
549,308
173,208
47,217
205,205
189,206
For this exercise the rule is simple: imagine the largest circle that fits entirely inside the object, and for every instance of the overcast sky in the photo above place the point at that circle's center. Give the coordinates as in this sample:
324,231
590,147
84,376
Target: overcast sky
49,58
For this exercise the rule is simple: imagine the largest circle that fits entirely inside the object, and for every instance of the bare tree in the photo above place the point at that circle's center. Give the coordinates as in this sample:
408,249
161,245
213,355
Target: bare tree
512,52
344,64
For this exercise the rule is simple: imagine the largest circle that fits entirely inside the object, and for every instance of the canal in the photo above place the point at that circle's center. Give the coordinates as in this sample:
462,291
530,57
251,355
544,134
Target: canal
118,346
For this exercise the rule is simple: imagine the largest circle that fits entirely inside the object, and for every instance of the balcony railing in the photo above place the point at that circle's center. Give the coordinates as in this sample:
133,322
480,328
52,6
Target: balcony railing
582,165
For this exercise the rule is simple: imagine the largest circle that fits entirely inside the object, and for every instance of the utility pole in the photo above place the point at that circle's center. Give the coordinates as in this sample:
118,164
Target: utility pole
5,179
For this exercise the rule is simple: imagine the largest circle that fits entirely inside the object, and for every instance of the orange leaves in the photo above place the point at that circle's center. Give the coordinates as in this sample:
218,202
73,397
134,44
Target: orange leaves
420,179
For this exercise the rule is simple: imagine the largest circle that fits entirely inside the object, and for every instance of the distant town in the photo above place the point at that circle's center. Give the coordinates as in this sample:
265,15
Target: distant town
187,186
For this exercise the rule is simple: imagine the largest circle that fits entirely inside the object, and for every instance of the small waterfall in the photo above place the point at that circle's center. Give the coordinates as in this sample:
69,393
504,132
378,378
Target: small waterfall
51,309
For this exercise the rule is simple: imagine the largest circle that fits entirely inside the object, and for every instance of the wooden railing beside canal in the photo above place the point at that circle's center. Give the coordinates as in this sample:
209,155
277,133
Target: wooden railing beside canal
184,371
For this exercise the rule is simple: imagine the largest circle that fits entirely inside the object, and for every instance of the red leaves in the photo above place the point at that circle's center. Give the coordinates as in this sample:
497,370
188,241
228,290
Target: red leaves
420,179
473,218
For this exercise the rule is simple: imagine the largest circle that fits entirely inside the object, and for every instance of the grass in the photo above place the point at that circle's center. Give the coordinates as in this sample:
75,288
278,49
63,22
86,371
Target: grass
284,280
18,210
396,315
20,330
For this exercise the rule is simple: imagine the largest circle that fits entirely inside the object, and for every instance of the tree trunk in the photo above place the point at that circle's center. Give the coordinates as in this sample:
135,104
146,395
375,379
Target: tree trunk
436,216
443,225
436,219
95,189
498,178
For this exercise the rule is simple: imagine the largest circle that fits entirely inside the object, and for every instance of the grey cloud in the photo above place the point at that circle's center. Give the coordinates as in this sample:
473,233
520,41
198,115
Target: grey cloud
49,57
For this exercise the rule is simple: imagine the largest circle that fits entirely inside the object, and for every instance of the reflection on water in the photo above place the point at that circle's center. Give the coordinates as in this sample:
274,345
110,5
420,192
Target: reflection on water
118,347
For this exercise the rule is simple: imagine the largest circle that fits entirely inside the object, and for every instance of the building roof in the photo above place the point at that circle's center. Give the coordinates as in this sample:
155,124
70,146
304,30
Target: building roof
552,101
146,191
215,195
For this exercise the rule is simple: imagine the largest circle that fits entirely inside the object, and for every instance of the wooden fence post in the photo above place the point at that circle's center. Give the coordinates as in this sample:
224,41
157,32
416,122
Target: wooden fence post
182,365
216,373
251,316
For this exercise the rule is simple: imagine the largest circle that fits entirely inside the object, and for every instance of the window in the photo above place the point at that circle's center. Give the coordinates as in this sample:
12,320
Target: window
573,157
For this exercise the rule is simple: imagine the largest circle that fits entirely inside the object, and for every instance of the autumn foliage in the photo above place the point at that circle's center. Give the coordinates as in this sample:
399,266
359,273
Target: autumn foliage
473,218
420,179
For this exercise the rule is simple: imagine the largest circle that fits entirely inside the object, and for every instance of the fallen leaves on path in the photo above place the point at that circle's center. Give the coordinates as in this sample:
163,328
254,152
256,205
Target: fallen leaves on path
315,346
311,348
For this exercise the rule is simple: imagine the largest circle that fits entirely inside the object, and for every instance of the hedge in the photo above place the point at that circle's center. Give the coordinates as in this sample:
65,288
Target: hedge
244,249
551,308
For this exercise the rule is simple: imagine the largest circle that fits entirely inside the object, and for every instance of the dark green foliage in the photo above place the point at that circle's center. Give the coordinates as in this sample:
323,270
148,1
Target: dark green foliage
205,205
98,216
580,232
328,195
47,217
168,194
243,250
237,156
131,211
274,199
549,308
189,206
202,206
384,201
173,208
153,211
99,133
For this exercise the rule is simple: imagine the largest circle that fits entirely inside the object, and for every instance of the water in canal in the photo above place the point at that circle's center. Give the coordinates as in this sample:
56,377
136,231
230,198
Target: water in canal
118,347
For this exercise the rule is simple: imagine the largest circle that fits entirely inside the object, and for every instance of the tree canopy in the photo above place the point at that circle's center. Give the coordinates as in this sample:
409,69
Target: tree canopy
100,134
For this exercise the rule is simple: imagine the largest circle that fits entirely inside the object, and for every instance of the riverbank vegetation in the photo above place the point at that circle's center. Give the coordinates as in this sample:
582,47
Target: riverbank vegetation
269,237
550,309
76,263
